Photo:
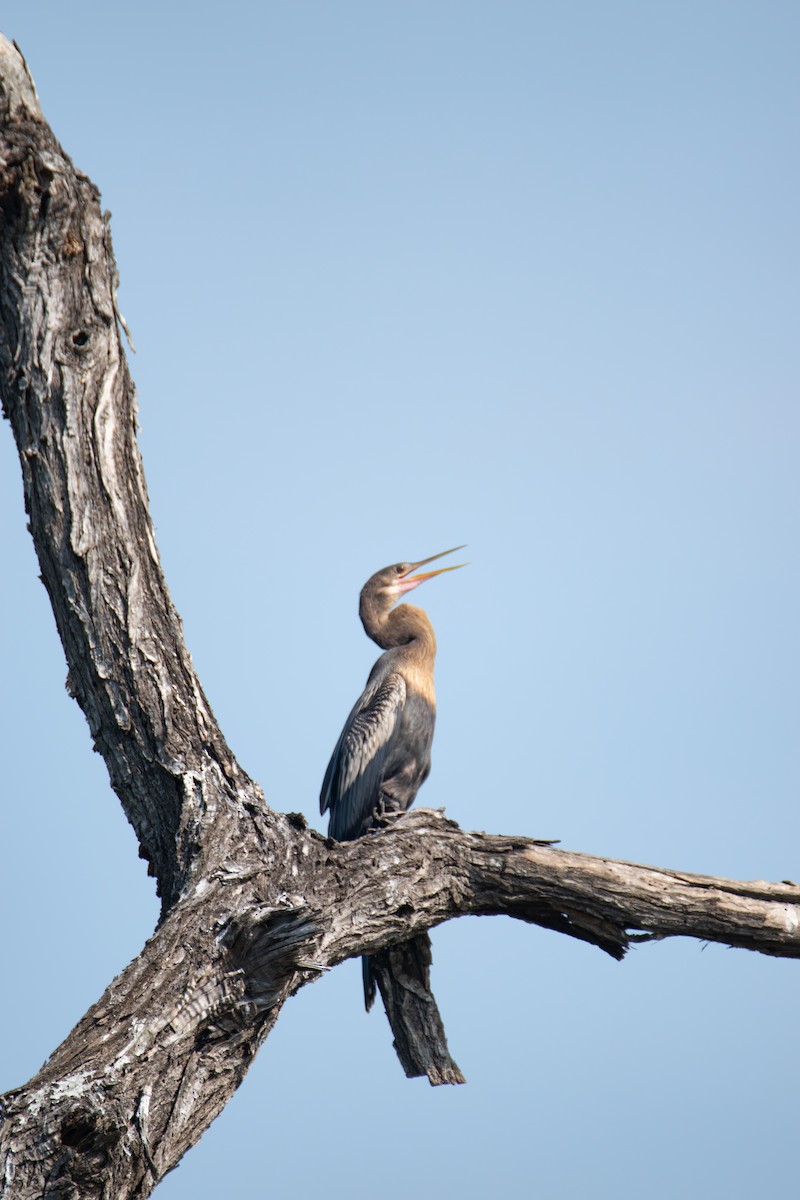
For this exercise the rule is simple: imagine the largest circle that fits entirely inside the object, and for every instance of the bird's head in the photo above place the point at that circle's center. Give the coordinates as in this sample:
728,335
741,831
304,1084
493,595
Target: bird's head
383,589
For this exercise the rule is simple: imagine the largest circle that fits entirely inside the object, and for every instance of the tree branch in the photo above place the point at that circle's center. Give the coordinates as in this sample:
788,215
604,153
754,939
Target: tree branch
151,1065
436,872
255,905
70,400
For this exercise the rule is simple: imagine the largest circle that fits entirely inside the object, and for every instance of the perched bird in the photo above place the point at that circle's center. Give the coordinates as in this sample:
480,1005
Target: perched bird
383,755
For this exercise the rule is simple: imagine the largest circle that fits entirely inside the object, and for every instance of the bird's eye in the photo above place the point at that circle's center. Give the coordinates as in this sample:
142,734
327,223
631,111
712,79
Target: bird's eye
400,569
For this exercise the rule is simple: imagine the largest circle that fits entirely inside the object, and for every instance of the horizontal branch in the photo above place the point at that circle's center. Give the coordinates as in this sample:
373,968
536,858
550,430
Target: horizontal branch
255,904
425,870
168,1043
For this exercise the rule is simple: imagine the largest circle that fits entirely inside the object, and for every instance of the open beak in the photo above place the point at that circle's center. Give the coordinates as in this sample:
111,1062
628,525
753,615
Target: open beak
408,581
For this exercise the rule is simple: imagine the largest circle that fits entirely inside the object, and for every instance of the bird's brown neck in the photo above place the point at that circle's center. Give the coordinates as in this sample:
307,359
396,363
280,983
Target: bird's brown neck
401,626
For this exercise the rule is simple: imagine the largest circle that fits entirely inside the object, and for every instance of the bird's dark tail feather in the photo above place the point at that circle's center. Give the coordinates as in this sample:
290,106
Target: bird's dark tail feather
402,975
368,976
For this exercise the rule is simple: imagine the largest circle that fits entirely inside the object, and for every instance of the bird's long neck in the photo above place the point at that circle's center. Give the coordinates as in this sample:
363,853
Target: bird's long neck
401,626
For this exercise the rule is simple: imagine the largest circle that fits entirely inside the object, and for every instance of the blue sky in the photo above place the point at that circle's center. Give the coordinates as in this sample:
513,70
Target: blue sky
519,275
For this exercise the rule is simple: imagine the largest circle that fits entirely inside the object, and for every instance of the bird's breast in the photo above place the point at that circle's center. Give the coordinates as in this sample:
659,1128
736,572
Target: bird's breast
419,681
409,761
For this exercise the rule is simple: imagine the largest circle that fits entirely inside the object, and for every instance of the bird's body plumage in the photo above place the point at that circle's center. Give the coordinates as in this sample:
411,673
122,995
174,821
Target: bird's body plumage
383,755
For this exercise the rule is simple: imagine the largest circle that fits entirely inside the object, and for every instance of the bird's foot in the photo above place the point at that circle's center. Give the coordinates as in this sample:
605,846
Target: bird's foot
386,816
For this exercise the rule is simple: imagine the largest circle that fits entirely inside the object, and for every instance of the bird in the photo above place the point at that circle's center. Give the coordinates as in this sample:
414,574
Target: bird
383,755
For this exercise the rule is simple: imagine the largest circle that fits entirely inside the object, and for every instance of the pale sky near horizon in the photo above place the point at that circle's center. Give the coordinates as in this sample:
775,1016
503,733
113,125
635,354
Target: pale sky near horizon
520,275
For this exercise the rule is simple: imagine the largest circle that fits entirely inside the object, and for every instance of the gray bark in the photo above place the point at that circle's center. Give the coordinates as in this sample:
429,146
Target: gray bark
254,904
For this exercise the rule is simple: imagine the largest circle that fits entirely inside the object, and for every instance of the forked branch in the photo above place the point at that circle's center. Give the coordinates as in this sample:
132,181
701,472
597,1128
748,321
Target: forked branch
255,905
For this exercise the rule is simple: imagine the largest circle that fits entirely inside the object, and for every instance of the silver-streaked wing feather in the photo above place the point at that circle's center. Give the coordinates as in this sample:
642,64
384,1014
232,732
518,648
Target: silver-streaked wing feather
351,787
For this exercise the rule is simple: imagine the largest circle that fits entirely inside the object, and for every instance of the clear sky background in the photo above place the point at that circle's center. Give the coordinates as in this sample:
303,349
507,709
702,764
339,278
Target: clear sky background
521,275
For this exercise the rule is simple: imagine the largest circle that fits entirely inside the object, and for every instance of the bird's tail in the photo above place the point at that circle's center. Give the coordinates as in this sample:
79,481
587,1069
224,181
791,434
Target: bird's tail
368,975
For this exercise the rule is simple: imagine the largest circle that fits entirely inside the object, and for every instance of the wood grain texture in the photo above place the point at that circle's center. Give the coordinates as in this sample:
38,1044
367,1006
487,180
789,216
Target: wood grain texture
70,400
254,904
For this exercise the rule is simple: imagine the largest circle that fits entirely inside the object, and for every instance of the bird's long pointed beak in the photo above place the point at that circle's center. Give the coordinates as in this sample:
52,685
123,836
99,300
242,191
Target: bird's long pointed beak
409,581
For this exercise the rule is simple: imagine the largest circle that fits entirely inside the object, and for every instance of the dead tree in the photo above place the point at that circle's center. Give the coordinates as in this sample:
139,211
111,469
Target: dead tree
254,904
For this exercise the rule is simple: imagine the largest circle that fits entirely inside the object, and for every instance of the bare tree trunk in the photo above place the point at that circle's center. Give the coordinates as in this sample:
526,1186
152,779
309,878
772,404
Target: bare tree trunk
254,905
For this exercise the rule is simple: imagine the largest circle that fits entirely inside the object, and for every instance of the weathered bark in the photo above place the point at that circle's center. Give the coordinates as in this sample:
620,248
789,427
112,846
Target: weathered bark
70,400
254,905
151,1065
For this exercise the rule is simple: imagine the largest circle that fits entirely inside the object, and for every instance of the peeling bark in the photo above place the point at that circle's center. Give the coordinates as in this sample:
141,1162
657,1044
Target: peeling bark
254,904
70,400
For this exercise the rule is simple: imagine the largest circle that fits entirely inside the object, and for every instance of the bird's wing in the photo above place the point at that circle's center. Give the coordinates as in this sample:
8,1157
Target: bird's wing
352,781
